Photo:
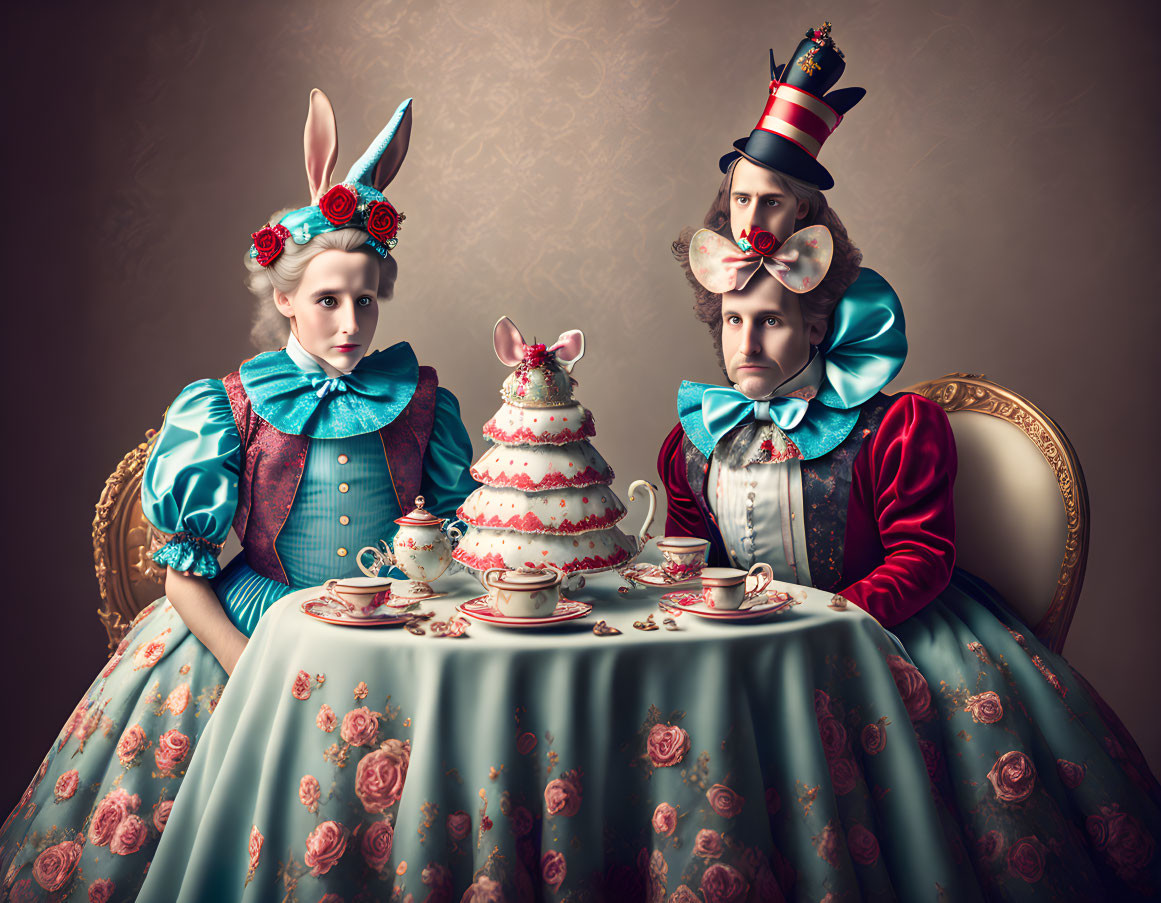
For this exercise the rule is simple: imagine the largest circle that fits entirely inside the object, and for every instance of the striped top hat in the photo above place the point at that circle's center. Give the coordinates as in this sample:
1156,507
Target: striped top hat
800,115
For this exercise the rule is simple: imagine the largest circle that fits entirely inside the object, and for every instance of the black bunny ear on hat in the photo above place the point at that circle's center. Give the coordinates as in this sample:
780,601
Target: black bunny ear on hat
800,115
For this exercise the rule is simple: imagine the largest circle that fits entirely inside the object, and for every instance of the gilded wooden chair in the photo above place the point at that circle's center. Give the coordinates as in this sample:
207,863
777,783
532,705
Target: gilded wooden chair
122,540
1021,506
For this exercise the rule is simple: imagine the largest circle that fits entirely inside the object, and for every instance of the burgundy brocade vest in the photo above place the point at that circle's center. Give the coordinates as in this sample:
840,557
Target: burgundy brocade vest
826,492
274,461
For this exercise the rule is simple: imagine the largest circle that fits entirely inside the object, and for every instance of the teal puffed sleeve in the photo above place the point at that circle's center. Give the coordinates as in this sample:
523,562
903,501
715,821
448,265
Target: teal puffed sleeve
190,485
447,478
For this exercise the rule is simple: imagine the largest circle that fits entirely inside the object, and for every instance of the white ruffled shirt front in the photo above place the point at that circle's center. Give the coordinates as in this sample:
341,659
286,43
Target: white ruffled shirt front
758,506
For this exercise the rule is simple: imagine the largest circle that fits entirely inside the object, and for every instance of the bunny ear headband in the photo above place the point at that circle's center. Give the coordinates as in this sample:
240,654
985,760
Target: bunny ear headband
799,263
357,202
511,349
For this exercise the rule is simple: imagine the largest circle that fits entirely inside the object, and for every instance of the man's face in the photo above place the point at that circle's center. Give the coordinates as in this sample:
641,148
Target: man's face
757,199
765,341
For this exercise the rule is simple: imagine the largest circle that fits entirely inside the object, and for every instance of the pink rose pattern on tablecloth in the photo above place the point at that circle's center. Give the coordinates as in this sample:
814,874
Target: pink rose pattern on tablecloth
360,727
380,775
325,846
563,795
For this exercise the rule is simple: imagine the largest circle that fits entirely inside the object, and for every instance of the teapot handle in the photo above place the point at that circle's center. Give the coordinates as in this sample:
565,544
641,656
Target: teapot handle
381,557
644,536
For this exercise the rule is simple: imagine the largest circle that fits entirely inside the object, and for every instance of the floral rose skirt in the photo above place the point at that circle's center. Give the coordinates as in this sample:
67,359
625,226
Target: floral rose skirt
88,824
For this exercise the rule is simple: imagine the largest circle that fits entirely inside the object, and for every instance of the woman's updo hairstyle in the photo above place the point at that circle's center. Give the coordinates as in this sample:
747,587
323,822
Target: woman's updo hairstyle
270,328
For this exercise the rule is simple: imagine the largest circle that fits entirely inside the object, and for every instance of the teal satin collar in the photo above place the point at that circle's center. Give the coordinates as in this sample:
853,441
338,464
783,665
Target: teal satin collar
300,399
862,352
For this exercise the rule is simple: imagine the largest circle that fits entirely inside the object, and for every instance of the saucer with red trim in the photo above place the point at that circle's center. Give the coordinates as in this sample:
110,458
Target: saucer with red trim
758,607
652,575
332,613
482,609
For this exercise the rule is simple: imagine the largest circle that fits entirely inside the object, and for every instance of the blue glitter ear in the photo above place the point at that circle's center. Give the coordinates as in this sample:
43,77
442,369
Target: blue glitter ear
365,165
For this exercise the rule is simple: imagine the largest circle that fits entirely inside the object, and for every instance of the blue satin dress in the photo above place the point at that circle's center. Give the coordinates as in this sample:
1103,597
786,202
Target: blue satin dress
88,824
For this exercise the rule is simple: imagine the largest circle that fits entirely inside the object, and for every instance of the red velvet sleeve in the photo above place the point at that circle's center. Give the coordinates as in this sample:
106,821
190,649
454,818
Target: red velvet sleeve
900,538
682,515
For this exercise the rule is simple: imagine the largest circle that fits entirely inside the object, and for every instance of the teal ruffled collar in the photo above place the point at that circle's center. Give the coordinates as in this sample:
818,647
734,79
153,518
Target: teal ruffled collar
294,394
863,351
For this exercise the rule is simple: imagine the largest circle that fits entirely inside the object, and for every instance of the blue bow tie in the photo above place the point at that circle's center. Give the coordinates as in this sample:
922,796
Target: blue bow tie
710,412
324,385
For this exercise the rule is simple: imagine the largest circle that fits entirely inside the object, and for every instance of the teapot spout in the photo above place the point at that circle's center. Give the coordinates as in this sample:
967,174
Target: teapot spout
644,535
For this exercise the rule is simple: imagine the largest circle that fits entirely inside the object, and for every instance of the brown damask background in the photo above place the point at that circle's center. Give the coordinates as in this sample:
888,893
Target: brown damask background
1001,173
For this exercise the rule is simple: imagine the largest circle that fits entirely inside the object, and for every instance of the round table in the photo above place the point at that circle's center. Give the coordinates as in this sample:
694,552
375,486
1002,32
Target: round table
719,761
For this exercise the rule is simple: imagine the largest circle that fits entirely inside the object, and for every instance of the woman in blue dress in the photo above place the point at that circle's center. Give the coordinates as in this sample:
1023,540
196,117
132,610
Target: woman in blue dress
310,453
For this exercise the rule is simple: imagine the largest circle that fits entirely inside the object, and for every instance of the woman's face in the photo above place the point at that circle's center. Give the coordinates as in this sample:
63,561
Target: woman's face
765,340
333,310
757,199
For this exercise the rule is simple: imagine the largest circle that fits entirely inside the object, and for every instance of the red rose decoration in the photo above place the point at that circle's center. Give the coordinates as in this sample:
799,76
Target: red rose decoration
172,748
1026,859
863,844
763,242
991,845
874,739
376,846
843,775
66,786
325,846
380,775
269,242
161,814
722,884
131,744
563,795
459,823
525,743
985,708
667,745
521,821
110,812
665,819
707,844
382,221
684,895
724,801
833,736
360,726
1122,838
309,792
129,837
338,205
1013,777
553,868
101,890
1071,774
55,866
912,687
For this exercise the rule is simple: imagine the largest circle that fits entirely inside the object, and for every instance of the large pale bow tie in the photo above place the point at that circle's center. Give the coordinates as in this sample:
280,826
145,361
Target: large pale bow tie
799,263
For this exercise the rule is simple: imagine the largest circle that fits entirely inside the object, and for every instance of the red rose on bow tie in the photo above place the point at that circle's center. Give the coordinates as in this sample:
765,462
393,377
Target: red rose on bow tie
764,243
269,242
338,205
382,221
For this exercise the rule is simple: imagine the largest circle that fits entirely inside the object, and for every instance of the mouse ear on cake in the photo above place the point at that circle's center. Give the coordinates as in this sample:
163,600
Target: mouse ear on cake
508,341
569,348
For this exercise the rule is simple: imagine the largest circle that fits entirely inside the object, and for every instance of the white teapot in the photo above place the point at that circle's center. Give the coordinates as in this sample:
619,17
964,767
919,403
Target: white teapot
421,549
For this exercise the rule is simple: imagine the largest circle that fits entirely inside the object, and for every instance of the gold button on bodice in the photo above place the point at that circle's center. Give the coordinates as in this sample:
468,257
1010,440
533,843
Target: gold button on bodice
342,553
343,459
343,487
344,520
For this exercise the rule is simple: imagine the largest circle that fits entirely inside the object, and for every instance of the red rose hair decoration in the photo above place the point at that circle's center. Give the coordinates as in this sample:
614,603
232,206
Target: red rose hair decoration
269,242
763,243
338,205
382,221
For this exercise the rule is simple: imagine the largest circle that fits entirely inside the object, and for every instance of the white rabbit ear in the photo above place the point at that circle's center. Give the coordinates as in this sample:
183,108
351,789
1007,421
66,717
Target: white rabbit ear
508,341
569,348
321,143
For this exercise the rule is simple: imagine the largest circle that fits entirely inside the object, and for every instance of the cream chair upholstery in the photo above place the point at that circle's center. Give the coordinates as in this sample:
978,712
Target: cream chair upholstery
122,542
1021,506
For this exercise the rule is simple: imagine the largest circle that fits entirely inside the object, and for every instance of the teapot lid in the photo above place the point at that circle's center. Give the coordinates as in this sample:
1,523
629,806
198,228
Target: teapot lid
418,516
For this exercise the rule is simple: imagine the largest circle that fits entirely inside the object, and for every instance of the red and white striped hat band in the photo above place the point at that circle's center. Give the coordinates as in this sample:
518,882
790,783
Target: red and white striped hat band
798,117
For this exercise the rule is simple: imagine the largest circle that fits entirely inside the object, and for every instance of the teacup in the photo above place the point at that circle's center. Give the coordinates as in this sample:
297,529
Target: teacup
684,556
727,588
360,596
524,592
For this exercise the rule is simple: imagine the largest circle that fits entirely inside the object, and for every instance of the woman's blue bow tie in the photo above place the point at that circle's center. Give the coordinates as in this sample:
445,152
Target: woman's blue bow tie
324,385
